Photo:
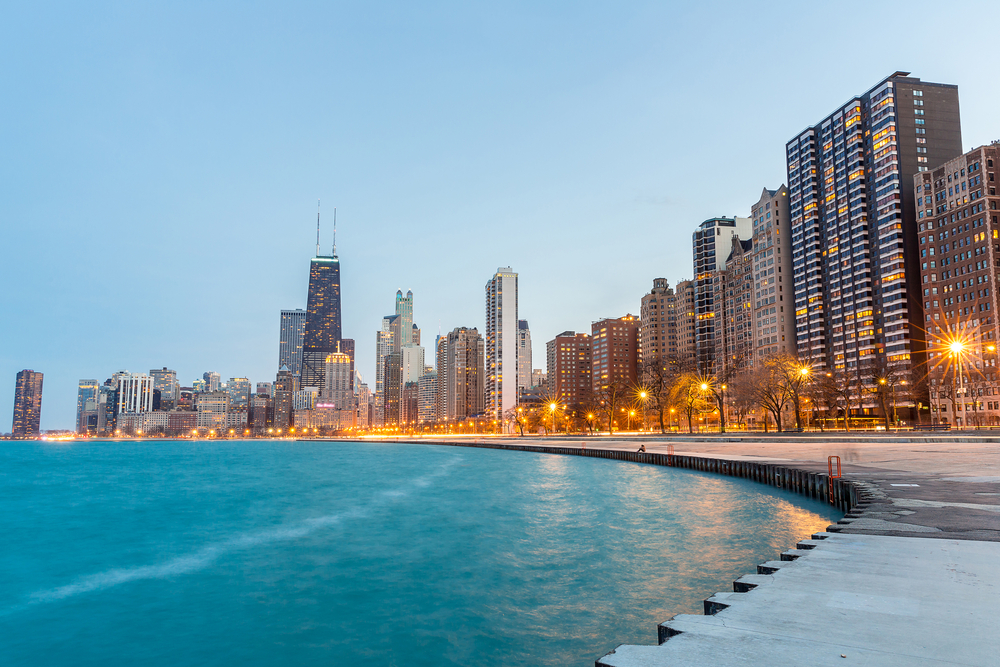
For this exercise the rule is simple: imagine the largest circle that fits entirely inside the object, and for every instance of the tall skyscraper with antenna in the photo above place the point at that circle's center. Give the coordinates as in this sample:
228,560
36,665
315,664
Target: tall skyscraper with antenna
323,332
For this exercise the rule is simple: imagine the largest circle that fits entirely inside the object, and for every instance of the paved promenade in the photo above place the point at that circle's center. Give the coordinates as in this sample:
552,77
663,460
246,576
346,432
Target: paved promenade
910,578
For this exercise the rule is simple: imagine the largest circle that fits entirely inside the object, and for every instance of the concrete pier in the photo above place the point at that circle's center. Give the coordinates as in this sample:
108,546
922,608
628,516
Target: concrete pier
910,576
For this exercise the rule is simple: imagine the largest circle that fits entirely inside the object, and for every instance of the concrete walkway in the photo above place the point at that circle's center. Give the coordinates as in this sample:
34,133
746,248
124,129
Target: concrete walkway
910,578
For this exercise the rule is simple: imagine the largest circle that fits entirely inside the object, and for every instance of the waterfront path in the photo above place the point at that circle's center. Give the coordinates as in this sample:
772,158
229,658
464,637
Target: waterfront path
909,577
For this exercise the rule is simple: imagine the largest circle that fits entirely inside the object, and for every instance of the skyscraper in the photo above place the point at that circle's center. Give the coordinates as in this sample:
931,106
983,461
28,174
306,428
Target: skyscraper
135,393
322,331
239,392
27,404
165,381
733,299
501,343
212,380
658,317
855,257
338,387
291,339
463,374
569,367
711,243
774,312
523,356
404,310
86,404
614,350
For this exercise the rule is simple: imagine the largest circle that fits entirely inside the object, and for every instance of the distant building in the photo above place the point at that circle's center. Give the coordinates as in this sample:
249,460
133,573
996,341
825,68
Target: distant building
305,399
135,393
199,386
614,349
260,413
734,311
538,377
523,356
461,380
27,404
165,381
322,331
409,404
285,384
212,380
427,398
404,311
412,359
570,368
212,407
686,319
392,374
338,388
291,338
265,388
86,406
501,343
239,392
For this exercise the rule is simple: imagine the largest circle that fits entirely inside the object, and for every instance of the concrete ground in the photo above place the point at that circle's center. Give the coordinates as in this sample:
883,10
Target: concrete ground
875,590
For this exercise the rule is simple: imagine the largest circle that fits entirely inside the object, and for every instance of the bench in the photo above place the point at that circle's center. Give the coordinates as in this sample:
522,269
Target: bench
932,427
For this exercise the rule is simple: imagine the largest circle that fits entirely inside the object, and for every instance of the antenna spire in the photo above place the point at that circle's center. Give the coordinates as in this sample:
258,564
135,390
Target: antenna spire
334,231
317,228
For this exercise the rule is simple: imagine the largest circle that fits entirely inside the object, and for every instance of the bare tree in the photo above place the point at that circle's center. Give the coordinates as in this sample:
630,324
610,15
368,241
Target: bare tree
611,397
658,377
770,389
741,395
688,395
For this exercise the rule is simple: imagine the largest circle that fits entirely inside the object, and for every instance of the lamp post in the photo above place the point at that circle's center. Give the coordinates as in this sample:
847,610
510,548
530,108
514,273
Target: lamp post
957,348
552,410
642,398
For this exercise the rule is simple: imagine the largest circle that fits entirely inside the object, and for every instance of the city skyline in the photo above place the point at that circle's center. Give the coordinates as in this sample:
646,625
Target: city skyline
640,145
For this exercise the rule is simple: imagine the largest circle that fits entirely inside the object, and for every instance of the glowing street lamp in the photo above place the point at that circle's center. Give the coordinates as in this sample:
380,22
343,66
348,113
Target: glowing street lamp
552,410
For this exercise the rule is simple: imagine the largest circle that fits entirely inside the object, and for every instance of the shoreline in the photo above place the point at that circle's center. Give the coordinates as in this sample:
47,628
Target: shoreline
906,577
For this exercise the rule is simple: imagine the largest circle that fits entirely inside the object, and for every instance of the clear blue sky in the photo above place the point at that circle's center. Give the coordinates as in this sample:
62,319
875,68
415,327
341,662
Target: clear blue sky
161,164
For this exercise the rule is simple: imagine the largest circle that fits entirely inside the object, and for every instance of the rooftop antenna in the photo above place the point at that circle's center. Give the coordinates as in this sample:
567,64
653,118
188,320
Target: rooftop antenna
334,231
317,228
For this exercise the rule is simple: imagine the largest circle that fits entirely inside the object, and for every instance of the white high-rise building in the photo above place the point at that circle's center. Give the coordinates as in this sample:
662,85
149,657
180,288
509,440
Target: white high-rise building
501,343
135,393
413,363
338,385
523,356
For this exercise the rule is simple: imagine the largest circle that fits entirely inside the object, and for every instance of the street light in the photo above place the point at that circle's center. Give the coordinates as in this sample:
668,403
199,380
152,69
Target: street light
552,410
642,397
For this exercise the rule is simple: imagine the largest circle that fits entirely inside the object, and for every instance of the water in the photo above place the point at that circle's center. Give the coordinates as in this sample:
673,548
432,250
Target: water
289,553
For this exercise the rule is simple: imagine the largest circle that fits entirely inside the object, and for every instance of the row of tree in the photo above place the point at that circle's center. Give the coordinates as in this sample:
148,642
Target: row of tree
780,387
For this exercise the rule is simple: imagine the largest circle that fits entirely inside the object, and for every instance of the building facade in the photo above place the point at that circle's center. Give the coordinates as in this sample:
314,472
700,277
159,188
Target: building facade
959,240
614,350
734,311
322,329
135,393
86,406
569,368
501,343
711,244
773,299
462,380
658,323
853,222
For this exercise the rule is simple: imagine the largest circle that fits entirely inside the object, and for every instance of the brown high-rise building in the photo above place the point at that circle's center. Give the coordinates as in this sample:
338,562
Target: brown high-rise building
27,404
774,313
658,323
614,350
733,300
959,253
855,250
685,294
569,368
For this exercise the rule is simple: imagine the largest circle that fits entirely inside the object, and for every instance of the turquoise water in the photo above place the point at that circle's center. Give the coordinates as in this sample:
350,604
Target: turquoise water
291,553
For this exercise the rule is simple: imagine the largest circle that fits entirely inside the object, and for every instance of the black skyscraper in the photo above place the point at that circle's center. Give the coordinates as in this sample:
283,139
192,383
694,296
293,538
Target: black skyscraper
27,404
322,319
